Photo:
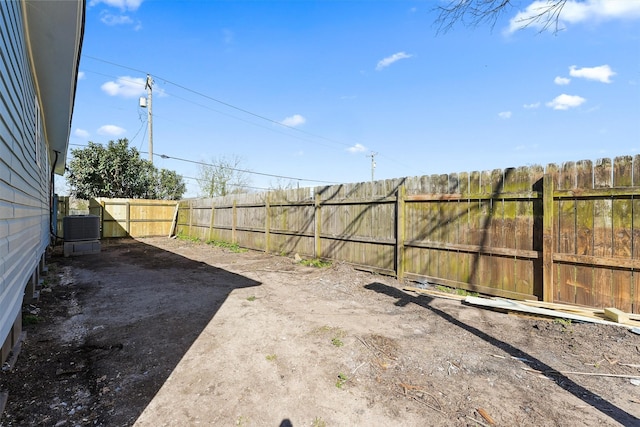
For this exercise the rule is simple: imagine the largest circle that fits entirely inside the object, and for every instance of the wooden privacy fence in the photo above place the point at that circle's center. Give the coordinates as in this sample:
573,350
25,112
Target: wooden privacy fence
127,217
565,234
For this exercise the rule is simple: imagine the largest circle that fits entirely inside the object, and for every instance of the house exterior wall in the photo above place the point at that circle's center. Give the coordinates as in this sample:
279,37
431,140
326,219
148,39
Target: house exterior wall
24,173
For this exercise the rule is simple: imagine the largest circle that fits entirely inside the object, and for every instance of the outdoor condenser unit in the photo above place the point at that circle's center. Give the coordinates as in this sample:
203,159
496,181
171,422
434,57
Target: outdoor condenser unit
81,227
81,234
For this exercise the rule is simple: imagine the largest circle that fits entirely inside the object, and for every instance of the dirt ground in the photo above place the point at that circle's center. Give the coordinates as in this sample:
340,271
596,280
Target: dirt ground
160,332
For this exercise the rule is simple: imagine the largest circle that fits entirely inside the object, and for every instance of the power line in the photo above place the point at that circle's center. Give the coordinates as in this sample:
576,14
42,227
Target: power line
207,107
226,104
164,156
243,110
247,171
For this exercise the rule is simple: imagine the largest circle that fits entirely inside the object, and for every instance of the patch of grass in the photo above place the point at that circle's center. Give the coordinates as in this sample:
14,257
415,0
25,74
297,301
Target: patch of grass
318,263
342,380
251,298
318,422
271,357
31,319
187,238
337,342
563,322
456,291
233,247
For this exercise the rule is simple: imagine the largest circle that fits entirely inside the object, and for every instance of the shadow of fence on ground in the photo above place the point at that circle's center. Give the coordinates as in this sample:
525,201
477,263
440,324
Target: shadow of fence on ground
570,386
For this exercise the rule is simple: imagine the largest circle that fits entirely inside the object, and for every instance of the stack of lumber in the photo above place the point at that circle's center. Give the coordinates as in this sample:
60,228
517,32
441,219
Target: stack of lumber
608,316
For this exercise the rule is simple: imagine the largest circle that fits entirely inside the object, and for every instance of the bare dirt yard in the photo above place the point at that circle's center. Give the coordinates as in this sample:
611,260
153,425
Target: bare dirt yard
160,332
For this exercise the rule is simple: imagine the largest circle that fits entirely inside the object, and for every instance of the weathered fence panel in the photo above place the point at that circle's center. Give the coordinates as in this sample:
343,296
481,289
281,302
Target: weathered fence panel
565,233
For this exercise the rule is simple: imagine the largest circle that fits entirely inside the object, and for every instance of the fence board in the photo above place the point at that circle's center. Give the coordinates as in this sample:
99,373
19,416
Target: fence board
566,234
602,234
584,234
621,210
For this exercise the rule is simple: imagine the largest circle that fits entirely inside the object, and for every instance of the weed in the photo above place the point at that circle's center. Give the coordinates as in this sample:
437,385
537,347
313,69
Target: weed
31,319
187,238
271,357
233,247
342,380
563,322
242,421
251,298
318,422
456,291
318,263
337,342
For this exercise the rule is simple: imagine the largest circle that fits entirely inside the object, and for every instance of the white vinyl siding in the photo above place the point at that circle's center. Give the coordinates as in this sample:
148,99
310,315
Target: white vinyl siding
24,175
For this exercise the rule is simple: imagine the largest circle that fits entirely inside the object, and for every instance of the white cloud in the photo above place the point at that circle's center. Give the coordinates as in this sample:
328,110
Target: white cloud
80,75
293,121
110,19
562,80
602,73
574,11
81,133
504,115
532,105
564,102
125,86
120,4
358,148
383,63
111,130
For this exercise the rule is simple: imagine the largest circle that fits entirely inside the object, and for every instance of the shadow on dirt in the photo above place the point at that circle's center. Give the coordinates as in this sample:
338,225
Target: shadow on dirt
132,312
590,398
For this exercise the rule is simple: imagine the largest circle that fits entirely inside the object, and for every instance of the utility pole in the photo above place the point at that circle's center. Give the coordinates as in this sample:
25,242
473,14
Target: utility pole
373,163
148,86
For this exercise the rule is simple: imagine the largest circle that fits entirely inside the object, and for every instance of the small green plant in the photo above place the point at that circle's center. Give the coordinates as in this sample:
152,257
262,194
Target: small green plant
342,380
456,291
563,322
187,238
318,263
31,319
271,357
242,421
337,342
318,422
233,247
251,298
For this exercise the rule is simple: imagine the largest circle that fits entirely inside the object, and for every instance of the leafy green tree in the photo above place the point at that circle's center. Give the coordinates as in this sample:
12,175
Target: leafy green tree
118,171
170,185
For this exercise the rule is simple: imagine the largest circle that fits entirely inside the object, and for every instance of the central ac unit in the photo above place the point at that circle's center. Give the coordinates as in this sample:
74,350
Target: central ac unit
81,227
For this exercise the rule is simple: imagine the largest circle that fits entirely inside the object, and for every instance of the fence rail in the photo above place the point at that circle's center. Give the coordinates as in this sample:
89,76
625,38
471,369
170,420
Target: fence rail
568,233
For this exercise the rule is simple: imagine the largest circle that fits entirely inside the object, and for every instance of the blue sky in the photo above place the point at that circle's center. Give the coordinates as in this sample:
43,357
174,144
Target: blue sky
311,89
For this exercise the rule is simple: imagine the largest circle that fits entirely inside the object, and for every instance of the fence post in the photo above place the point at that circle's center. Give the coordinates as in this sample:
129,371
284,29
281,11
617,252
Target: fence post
213,210
317,250
400,223
547,238
267,223
190,218
128,218
234,222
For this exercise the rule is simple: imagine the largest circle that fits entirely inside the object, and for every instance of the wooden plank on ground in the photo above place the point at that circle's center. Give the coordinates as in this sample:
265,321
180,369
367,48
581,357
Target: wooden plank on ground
616,315
511,305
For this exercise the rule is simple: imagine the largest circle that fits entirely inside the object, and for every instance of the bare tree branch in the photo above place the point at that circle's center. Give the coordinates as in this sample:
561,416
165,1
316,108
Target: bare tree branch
475,13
